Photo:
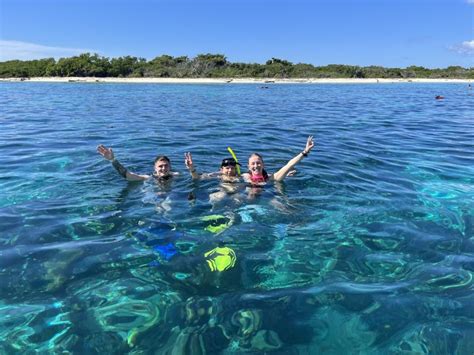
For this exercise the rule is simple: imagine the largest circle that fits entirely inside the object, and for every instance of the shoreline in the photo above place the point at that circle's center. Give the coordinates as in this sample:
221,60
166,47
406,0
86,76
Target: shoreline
229,80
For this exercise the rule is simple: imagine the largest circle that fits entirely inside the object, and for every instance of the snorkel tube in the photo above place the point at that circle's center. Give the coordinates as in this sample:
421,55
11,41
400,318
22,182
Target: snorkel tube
237,167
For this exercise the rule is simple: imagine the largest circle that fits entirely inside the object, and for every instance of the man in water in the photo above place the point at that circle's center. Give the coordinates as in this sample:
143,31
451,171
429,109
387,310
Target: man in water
162,167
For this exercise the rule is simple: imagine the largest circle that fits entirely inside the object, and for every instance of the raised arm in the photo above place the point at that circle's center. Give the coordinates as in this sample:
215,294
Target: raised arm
283,172
108,154
188,161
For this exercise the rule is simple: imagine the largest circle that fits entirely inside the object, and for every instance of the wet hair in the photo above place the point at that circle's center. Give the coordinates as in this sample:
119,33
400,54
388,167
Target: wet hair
257,155
229,161
162,157
264,172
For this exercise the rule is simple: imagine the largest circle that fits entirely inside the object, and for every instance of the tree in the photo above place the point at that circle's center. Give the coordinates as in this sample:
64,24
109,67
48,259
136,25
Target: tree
205,65
211,66
83,65
125,66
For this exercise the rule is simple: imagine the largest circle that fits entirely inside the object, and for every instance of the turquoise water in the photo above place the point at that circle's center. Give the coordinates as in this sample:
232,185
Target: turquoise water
368,249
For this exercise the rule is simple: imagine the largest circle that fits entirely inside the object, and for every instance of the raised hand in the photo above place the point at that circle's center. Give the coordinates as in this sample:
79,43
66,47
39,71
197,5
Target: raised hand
309,145
107,153
188,160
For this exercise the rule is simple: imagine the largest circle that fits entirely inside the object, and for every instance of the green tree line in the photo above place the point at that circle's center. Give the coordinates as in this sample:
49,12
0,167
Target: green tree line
209,66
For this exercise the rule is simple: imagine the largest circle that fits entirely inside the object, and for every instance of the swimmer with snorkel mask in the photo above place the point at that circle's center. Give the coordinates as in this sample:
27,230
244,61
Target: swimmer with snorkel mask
228,174
229,170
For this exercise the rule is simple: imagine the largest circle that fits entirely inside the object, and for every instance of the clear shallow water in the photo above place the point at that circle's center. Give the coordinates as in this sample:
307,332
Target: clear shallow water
368,249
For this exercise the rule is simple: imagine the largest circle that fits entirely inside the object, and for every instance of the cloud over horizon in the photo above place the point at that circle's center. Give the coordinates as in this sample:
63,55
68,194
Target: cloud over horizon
11,50
466,47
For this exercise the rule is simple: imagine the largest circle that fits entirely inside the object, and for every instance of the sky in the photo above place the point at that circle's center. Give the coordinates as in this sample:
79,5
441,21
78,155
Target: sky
389,33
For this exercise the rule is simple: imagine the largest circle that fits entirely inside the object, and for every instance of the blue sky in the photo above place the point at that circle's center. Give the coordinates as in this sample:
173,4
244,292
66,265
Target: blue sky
390,33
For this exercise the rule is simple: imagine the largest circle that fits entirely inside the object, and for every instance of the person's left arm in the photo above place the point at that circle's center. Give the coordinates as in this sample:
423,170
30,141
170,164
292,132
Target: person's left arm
283,172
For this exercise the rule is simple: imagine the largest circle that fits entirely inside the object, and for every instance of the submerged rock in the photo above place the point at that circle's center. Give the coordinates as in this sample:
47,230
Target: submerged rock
266,340
248,322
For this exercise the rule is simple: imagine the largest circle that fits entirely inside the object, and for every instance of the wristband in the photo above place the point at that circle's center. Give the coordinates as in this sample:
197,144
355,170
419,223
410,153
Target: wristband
304,154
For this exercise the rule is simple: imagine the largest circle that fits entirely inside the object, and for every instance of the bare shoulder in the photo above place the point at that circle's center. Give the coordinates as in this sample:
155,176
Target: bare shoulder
213,175
207,176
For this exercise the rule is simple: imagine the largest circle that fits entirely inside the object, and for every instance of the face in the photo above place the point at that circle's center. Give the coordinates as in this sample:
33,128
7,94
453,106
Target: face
228,170
255,165
162,168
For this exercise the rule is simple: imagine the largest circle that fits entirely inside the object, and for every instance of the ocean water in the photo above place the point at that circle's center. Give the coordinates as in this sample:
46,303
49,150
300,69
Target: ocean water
368,249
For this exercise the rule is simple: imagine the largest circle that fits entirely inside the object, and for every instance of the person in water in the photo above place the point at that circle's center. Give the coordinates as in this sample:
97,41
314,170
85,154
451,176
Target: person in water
227,172
227,175
162,166
257,174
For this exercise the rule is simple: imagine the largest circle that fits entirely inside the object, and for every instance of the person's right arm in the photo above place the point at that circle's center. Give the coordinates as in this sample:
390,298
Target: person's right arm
188,161
108,154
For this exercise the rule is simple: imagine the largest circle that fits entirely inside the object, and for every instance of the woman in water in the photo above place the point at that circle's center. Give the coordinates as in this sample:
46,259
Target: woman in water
257,174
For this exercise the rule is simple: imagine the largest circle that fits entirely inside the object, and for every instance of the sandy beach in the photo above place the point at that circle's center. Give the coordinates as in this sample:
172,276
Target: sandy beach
228,80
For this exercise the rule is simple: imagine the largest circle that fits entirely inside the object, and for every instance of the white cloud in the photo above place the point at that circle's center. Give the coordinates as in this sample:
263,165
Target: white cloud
10,50
466,47
470,1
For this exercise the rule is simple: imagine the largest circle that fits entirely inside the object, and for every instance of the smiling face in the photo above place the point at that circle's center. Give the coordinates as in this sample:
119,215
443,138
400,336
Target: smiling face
256,164
162,168
228,170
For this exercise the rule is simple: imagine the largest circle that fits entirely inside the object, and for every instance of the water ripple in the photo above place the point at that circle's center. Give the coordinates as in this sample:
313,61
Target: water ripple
367,249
